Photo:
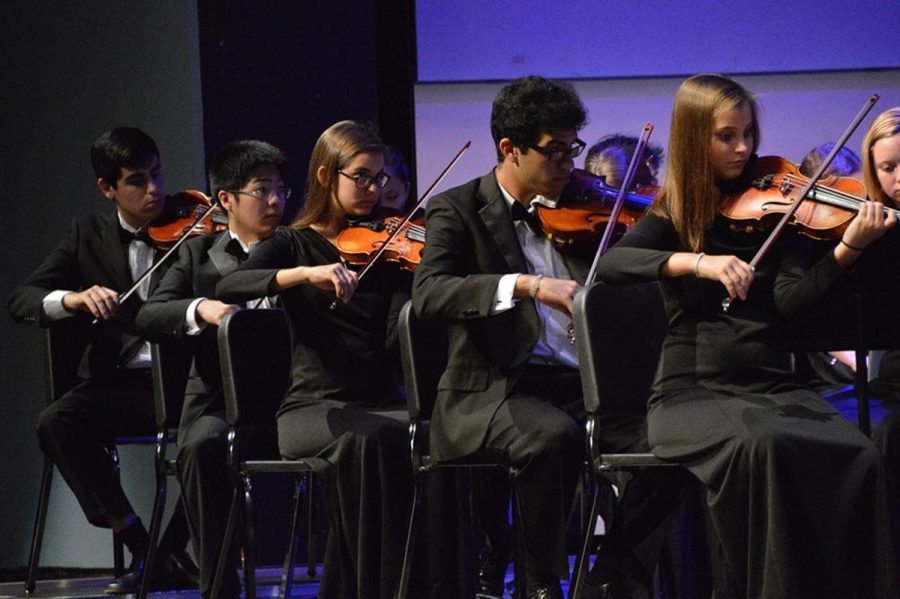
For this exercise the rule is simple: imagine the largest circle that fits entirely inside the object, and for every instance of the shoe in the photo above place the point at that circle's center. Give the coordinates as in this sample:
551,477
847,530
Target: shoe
169,573
492,565
607,583
184,567
548,590
130,582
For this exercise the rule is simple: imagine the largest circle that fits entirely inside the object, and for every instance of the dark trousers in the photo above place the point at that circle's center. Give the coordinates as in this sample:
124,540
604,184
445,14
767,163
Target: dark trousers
539,431
74,431
368,491
207,486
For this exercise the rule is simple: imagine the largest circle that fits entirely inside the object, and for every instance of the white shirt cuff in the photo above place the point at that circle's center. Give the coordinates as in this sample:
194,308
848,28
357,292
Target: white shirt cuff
53,306
503,297
193,327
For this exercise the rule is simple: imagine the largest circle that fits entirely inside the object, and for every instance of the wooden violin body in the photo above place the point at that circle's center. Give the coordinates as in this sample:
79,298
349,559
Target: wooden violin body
182,211
359,243
776,186
584,209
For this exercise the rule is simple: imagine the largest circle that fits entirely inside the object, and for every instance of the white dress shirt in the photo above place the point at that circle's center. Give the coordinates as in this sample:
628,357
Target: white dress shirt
553,346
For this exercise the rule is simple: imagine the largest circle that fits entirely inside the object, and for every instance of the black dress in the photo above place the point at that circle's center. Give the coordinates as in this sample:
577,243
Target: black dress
343,406
796,493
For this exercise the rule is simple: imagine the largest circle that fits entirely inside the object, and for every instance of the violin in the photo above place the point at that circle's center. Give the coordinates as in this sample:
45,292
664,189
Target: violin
187,214
809,189
776,184
358,243
583,209
401,228
182,217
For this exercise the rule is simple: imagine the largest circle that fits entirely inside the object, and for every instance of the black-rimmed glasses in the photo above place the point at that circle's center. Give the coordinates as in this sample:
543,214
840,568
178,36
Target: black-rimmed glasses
558,154
363,181
264,193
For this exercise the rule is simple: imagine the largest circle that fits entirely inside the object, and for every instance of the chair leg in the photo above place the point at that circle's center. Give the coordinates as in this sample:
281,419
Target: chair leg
312,536
226,542
118,545
40,519
287,573
577,586
520,563
410,540
159,506
249,541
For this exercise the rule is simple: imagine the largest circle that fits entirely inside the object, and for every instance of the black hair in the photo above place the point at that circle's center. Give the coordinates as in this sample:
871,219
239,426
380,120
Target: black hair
531,106
122,147
231,167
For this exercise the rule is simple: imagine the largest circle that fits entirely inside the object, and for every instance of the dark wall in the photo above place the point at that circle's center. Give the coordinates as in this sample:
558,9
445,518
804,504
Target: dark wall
284,71
71,71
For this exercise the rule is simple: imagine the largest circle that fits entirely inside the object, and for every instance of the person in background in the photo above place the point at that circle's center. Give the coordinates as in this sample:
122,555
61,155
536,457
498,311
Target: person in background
609,158
395,198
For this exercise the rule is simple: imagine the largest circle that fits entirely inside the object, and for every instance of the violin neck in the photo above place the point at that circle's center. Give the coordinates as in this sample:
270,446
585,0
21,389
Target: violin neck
839,199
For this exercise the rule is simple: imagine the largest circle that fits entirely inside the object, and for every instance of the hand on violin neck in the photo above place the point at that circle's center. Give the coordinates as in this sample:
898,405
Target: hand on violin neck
98,301
558,294
213,311
869,225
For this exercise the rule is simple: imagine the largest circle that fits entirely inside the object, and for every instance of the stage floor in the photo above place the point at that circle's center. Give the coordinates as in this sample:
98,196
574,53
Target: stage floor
267,581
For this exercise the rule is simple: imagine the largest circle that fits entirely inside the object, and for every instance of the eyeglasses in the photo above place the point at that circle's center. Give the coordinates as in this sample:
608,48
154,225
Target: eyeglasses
363,181
264,193
558,154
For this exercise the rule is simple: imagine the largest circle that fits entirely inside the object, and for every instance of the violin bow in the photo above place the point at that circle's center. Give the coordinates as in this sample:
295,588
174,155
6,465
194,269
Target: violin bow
409,216
214,203
810,184
630,173
627,180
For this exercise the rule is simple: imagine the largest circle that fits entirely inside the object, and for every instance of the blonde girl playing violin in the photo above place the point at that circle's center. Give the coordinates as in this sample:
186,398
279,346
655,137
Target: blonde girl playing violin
796,493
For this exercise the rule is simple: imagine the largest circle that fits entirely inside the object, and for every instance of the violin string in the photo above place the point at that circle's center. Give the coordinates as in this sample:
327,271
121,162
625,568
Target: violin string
840,199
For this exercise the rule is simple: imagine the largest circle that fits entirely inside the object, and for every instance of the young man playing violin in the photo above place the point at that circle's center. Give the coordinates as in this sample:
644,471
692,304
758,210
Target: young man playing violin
82,278
247,178
511,387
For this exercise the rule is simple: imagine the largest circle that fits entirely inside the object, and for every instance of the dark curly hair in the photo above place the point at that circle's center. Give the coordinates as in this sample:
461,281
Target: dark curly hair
530,106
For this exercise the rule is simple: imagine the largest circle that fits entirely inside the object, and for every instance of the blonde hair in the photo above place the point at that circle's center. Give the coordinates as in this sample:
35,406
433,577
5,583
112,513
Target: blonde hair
886,124
689,195
335,148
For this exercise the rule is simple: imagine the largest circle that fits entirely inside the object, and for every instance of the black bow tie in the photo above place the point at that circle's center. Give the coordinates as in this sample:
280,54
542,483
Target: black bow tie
519,212
235,248
141,235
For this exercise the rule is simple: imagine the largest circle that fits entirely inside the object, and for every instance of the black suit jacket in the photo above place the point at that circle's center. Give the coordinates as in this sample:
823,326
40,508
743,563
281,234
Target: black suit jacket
470,244
201,263
92,253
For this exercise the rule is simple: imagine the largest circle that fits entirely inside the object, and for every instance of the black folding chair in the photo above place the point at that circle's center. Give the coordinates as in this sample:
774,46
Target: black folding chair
171,364
255,354
423,350
619,333
65,343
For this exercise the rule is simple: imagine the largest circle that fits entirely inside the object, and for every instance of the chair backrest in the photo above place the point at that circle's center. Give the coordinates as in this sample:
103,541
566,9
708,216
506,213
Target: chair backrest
65,342
171,364
423,352
619,333
255,356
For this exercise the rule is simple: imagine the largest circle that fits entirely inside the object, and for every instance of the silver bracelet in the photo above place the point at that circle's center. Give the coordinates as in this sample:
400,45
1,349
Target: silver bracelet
697,264
534,286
